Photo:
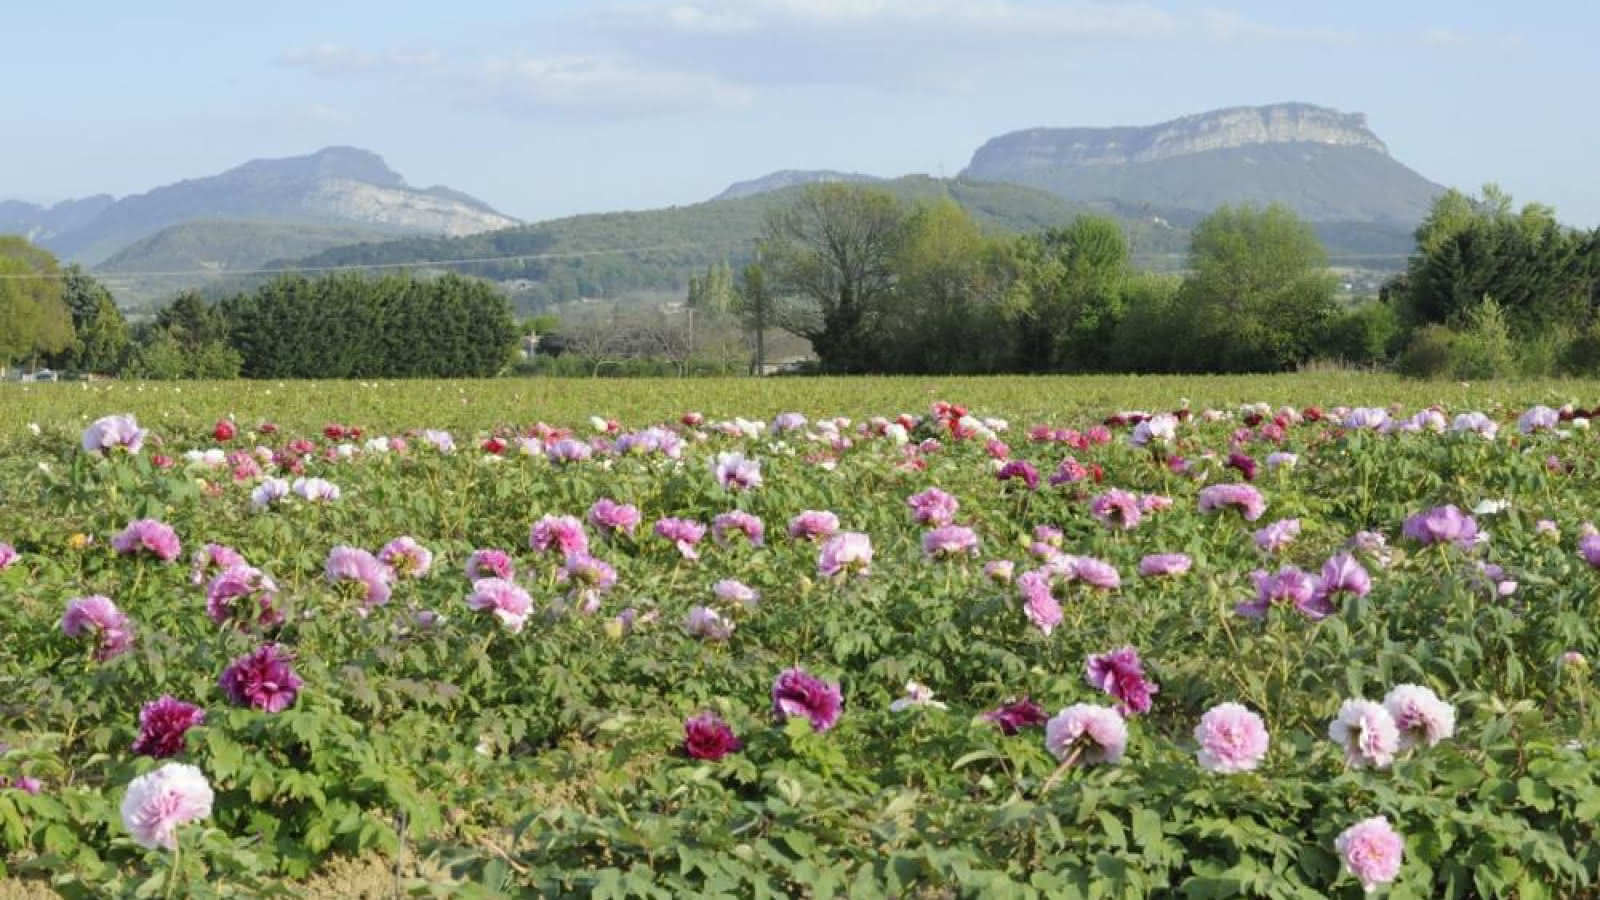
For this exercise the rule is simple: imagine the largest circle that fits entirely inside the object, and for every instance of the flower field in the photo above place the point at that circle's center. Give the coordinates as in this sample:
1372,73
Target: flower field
1278,637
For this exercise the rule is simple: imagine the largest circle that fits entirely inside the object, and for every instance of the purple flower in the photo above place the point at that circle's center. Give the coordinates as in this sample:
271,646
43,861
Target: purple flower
567,450
1343,574
1232,739
487,562
1589,548
813,524
1017,715
683,533
741,523
162,724
1278,535
705,622
729,590
1039,601
8,556
789,421
1019,468
561,535
113,433
1117,509
1538,418
1096,734
999,570
707,737
933,507
1121,674
1157,564
735,472
211,559
96,616
1289,587
1442,524
1070,471
359,575
612,517
262,680
148,536
243,583
1247,499
949,540
24,783
1095,573
845,552
797,693
406,558
503,599
1245,465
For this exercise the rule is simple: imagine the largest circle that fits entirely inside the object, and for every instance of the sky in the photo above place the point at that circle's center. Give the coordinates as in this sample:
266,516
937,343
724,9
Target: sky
544,108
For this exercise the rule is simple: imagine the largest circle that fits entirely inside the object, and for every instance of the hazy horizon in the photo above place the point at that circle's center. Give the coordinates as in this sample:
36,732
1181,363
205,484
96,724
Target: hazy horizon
589,107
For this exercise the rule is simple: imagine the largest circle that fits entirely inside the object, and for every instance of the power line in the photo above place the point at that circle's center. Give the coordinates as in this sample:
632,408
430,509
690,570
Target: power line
572,254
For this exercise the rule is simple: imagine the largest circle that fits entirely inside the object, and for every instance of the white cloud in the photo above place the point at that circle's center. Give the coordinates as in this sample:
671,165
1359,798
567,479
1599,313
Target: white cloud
337,59
598,87
1444,37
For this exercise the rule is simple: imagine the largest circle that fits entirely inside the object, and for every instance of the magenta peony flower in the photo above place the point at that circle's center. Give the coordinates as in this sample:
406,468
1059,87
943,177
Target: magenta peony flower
1116,509
1019,469
1121,674
735,472
8,556
588,572
159,803
561,535
257,591
933,507
950,540
1245,465
96,616
1157,564
1231,738
1372,851
1442,524
489,562
262,679
1245,498
1421,717
1278,535
729,590
797,692
611,517
705,622
1070,471
358,574
1017,715
727,524
1289,587
24,783
148,536
504,599
162,724
709,738
1367,732
683,533
211,559
114,433
406,558
1039,601
813,524
848,551
1098,734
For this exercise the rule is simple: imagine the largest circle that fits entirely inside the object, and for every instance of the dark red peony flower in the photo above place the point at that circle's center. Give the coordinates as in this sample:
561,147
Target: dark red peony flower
707,737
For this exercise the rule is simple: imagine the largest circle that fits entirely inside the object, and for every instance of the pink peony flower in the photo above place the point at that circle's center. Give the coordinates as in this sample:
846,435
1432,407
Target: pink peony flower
797,693
1070,471
933,507
1442,524
1589,549
611,517
1157,564
504,599
568,450
561,535
487,562
211,559
813,524
8,556
729,590
1372,851
727,524
1421,717
1231,738
148,536
848,551
1019,469
406,558
159,803
1367,732
950,540
262,680
243,583
709,738
1121,674
359,574
1039,601
96,616
1278,535
1117,509
704,622
162,724
736,473
1098,734
1017,715
114,433
1096,573
1342,574
1245,498
1288,587
999,570
683,533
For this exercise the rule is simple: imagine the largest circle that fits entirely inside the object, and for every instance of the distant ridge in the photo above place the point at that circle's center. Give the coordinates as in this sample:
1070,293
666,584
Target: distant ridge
787,178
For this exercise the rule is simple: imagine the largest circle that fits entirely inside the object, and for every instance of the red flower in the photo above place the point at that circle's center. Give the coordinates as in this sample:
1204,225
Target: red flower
494,445
333,432
1017,715
162,724
223,431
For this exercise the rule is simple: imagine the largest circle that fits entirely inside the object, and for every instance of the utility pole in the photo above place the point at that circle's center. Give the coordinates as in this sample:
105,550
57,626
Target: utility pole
760,301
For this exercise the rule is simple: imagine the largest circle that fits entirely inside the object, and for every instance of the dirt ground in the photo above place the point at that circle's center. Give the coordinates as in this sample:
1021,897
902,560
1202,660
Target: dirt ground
368,878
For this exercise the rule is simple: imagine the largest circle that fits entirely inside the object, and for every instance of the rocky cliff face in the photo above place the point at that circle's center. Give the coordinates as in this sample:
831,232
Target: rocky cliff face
1241,126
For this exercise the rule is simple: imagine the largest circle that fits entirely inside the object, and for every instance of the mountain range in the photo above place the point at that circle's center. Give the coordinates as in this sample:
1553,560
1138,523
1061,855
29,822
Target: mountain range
345,206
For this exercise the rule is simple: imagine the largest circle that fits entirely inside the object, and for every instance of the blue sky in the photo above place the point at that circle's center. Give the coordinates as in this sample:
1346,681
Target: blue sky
560,107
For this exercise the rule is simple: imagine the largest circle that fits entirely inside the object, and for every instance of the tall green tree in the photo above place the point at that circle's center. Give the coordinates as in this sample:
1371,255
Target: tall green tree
34,318
944,312
101,336
1068,298
831,255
